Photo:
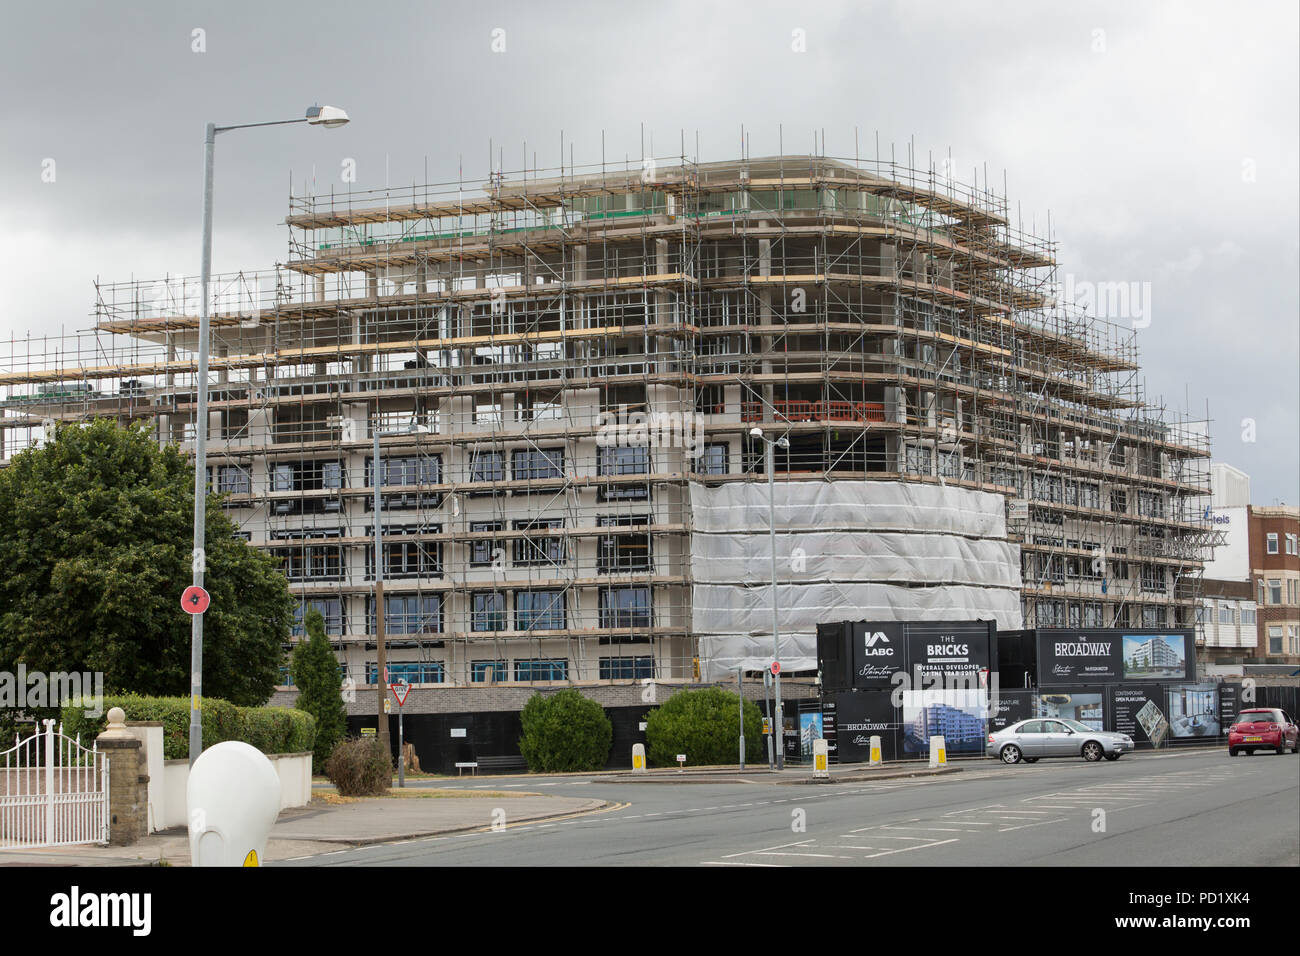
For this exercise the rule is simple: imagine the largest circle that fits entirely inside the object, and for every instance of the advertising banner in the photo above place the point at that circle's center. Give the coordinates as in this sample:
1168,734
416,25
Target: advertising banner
860,715
1083,704
1138,710
1229,705
956,714
1008,708
1113,655
954,653
1193,710
878,653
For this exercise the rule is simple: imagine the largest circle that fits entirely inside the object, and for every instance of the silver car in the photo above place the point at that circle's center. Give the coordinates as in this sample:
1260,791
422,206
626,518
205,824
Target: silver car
1028,740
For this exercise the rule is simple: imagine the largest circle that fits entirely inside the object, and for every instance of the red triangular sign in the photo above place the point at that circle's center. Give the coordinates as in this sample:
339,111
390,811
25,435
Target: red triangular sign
400,691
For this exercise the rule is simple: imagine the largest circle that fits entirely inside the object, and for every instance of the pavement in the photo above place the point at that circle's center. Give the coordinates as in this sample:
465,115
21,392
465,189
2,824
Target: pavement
322,828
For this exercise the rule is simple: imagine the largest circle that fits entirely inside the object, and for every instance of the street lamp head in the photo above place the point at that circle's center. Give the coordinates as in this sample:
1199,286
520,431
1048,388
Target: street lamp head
327,116
756,433
782,442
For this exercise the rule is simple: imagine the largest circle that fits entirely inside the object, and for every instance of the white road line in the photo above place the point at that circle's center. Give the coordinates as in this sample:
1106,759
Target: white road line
779,846
906,849
740,863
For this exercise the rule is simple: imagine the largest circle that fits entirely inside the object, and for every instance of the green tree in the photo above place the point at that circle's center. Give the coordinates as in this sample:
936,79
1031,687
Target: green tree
704,725
95,542
315,672
564,732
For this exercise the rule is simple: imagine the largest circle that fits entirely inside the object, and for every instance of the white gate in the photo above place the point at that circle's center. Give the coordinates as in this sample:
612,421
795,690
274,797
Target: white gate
53,792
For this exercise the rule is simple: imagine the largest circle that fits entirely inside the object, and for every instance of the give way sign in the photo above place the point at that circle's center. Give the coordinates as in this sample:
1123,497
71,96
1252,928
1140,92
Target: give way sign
400,691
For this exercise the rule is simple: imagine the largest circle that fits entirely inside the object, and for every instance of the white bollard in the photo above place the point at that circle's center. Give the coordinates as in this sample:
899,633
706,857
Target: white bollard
821,760
876,760
638,758
938,755
233,797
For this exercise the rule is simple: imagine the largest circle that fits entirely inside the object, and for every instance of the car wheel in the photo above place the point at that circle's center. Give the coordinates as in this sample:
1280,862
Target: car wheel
1092,751
1010,754
1112,756
1281,746
1233,751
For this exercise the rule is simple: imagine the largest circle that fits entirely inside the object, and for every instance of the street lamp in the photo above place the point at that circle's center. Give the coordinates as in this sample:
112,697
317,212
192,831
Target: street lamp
740,692
771,445
329,117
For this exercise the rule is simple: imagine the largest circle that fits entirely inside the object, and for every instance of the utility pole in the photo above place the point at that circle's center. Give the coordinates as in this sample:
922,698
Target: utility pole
381,653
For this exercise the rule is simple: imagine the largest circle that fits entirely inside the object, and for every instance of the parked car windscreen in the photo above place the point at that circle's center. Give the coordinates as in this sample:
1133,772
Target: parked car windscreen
1257,717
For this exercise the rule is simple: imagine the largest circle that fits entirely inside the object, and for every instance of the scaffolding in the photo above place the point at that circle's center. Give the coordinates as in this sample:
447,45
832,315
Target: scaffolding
576,347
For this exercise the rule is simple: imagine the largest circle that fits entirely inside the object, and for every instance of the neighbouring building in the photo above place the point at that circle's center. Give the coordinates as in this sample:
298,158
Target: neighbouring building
1275,574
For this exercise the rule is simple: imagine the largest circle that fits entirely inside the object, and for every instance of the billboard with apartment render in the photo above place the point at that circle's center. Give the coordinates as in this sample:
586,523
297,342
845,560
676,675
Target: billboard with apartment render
1114,655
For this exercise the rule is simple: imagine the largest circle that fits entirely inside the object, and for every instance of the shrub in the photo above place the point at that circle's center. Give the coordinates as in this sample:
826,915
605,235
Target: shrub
360,767
564,732
269,729
703,724
320,687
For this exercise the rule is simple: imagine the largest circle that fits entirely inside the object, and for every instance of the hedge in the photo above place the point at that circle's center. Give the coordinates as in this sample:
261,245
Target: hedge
703,724
272,730
564,733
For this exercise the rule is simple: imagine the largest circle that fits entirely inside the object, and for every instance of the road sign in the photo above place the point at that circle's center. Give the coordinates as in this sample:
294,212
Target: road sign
400,691
195,600
776,668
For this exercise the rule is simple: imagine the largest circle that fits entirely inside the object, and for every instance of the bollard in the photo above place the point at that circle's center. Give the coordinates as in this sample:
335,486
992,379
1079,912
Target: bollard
938,756
638,758
821,760
876,760
233,797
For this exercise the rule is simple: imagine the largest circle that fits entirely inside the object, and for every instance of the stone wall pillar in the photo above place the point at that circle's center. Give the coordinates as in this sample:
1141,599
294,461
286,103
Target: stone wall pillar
128,782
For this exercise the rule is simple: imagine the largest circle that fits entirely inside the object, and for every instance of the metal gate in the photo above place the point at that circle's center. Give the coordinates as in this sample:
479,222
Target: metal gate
53,791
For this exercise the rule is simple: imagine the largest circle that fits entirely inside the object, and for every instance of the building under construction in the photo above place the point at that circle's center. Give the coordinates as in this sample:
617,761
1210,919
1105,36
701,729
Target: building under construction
568,366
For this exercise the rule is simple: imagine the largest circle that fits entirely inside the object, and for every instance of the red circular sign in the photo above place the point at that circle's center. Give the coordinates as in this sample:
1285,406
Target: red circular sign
776,667
195,600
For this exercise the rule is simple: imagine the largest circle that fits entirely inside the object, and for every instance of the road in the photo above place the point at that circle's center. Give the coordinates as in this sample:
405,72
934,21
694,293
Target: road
1173,810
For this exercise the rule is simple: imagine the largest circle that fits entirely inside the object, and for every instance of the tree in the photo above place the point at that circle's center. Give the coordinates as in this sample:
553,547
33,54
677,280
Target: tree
564,732
704,725
315,672
95,540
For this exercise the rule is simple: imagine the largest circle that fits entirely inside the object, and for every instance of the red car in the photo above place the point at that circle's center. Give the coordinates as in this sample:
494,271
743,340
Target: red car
1263,727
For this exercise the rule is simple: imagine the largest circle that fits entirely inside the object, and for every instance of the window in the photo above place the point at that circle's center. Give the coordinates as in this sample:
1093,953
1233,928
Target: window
531,670
1293,544
539,550
713,460
308,560
330,608
1153,616
1272,543
623,552
414,471
306,476
626,668
917,460
233,480
1153,578
1290,590
534,464
482,550
488,611
1262,595
407,613
539,610
408,559
1275,591
1248,616
1225,614
1151,504
487,466
1275,638
413,672
1089,495
625,607
482,671
618,460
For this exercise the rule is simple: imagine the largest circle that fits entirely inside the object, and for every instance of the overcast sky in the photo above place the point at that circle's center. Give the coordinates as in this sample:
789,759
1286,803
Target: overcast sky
1162,138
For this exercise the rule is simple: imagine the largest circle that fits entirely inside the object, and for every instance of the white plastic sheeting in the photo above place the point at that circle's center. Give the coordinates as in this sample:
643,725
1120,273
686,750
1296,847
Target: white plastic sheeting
846,550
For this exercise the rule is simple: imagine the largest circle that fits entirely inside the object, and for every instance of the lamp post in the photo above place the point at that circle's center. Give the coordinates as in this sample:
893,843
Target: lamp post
778,730
329,117
740,693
